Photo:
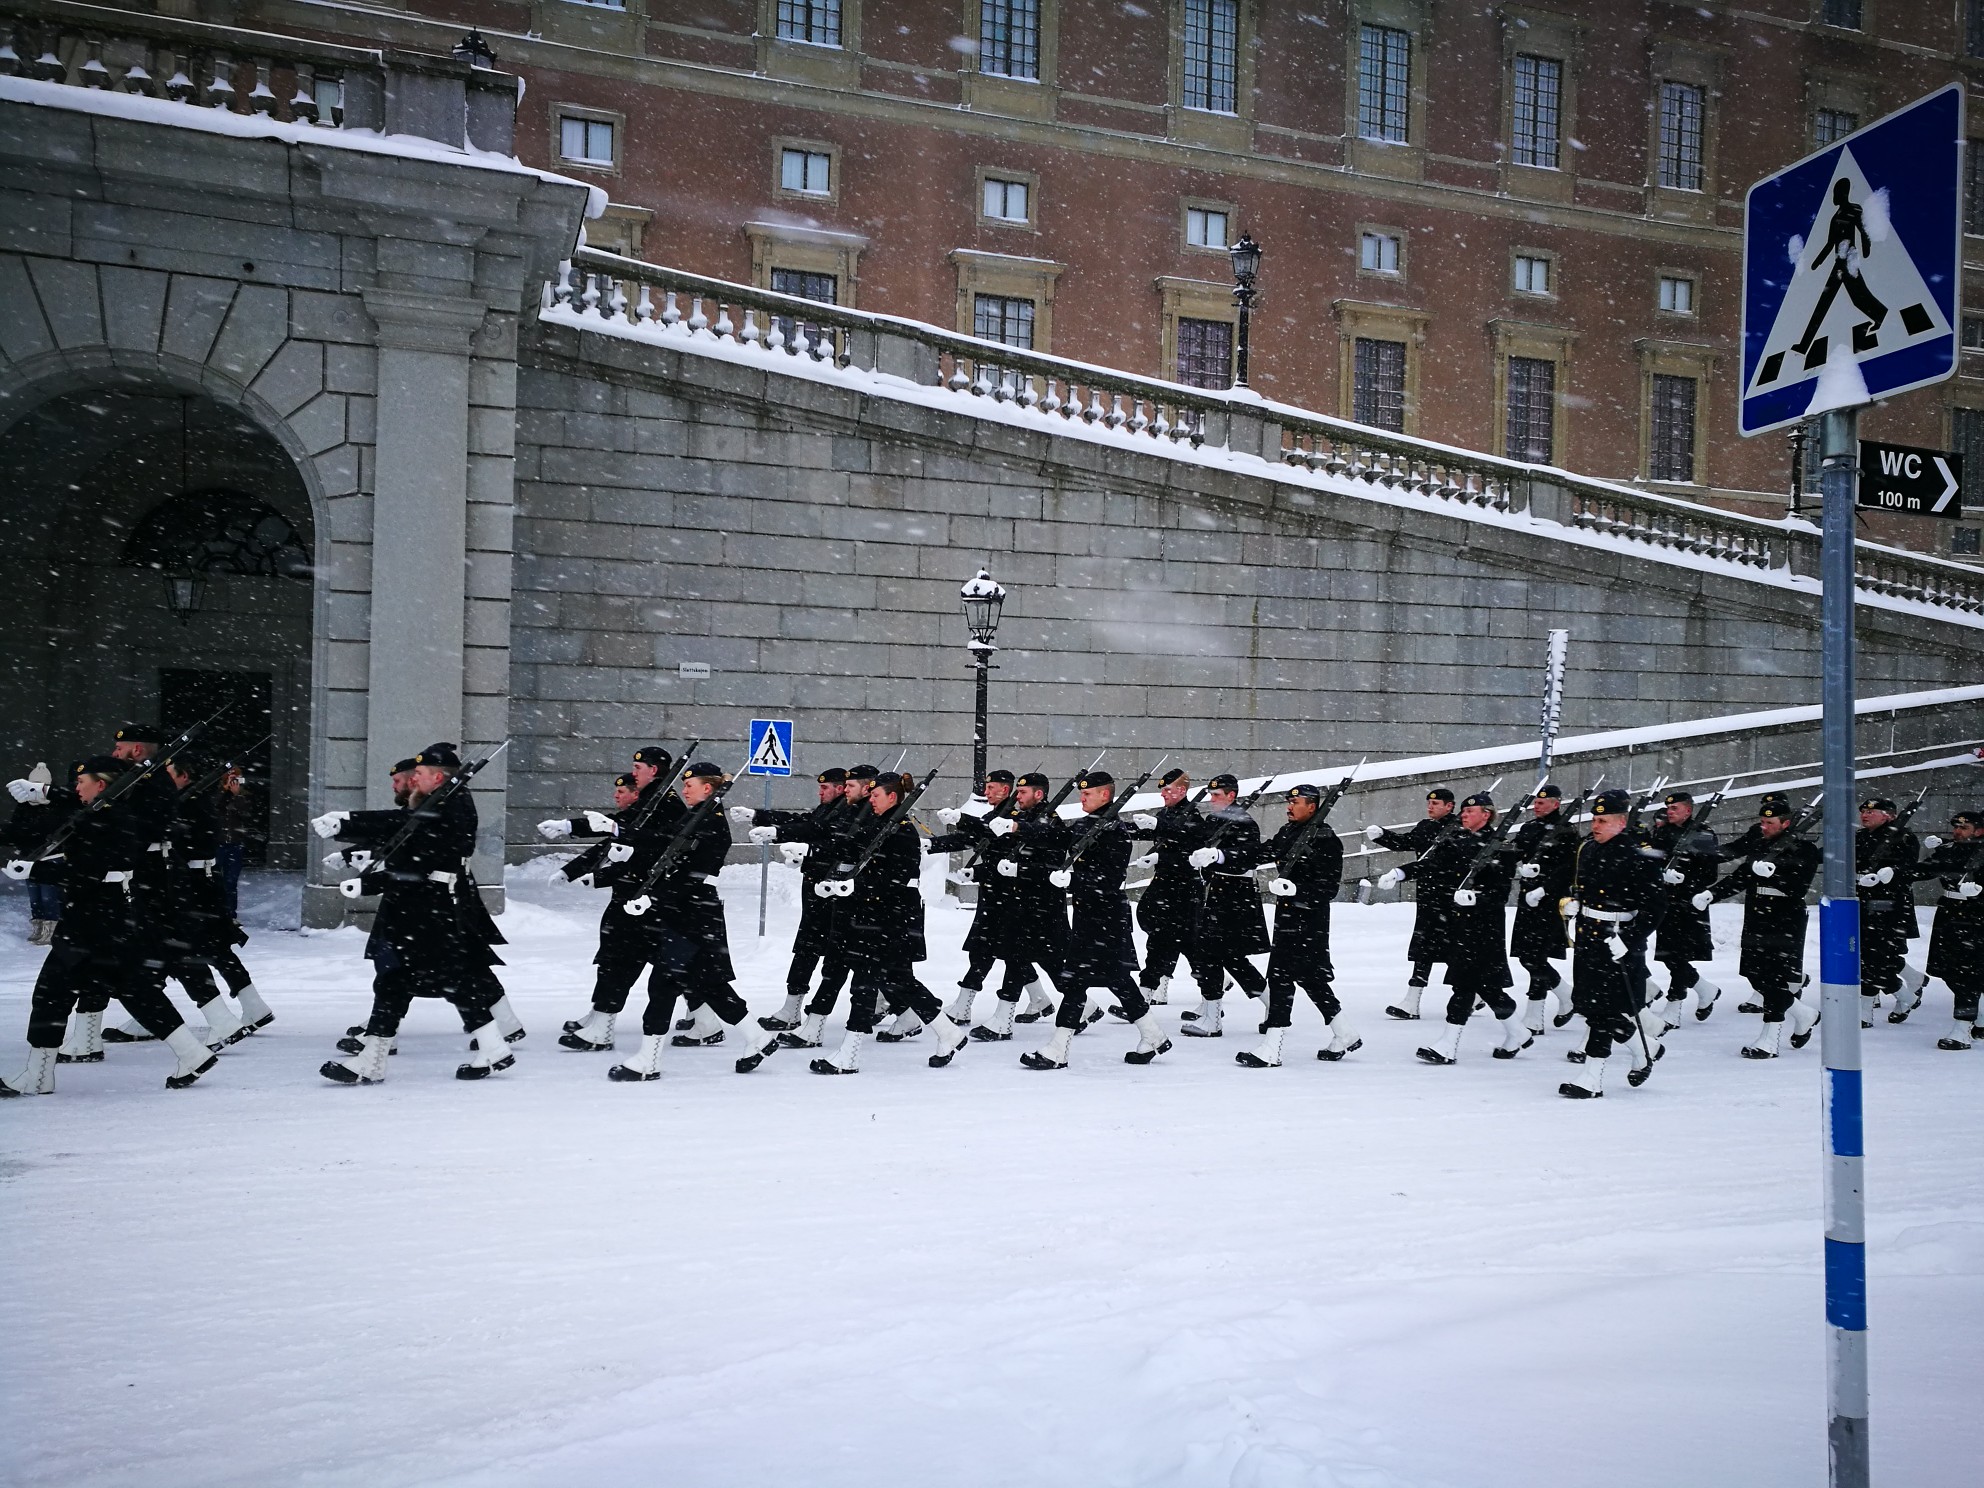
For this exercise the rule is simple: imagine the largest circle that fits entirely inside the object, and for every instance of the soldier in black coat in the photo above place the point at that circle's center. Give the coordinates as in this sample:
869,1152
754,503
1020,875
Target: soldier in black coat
1883,851
832,841
1429,921
1476,929
1773,877
1168,908
1028,846
884,938
35,816
1545,847
1232,925
1308,859
797,833
1102,950
1956,941
1687,855
1613,885
101,943
968,831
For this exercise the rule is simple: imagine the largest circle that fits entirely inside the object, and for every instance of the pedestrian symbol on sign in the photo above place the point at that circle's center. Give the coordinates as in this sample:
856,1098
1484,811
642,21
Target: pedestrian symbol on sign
771,747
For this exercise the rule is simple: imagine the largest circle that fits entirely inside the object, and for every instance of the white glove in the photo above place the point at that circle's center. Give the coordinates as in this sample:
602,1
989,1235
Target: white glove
764,836
1672,876
742,815
1148,860
554,829
1061,877
602,824
584,881
1701,900
1143,821
1569,908
1465,898
950,816
1931,843
336,859
1969,889
1373,832
19,868
792,852
1529,870
1008,868
1763,867
327,825
1281,888
28,792
1205,857
1001,826
1533,898
1885,875
639,905
1391,878
1865,880
358,857
1616,946
620,852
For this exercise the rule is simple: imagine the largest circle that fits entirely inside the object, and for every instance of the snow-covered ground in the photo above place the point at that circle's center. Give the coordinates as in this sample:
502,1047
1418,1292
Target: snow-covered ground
1368,1273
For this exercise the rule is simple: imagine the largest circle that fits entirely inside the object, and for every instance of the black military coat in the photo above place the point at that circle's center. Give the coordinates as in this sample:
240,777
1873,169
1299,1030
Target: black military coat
1477,944
1690,851
884,918
684,930
1956,939
1101,950
1313,861
422,927
1430,919
1036,912
101,922
1773,908
1551,843
816,828
1887,910
1168,908
989,927
1232,923
199,924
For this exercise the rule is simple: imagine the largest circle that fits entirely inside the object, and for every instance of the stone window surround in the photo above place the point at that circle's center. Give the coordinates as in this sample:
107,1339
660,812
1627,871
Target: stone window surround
1677,62
782,143
1850,92
560,112
809,250
1866,29
620,229
1009,277
1362,318
1232,131
1676,359
1386,230
1531,32
1694,278
995,93
1190,299
807,61
1029,179
1405,161
1544,343
1188,204
1549,258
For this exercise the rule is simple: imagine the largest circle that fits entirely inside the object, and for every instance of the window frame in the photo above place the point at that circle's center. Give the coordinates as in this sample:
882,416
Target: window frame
1190,204
1661,164
985,175
1680,276
1687,359
1006,276
839,9
1407,135
1545,256
1192,299
581,113
1552,404
1556,109
1233,69
1369,320
783,143
1819,138
1382,230
979,21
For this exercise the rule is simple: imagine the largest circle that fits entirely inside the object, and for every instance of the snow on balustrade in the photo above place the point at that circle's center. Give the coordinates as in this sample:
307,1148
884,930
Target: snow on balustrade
905,359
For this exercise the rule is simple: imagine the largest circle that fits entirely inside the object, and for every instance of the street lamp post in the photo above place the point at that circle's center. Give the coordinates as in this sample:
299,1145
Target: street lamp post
1246,271
983,597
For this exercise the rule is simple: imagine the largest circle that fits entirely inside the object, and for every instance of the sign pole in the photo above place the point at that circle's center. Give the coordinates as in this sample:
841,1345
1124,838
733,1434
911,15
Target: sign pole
1839,977
764,866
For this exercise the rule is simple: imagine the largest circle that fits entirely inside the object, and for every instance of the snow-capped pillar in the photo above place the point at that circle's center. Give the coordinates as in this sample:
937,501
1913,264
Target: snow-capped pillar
419,526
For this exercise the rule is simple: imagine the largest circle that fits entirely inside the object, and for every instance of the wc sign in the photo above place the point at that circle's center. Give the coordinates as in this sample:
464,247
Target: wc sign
1901,478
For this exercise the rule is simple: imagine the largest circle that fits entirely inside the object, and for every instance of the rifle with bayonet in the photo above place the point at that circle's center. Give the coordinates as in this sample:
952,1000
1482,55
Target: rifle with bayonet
129,781
645,811
1007,807
1312,828
1064,875
381,861
218,773
843,887
1220,829
1679,861
1498,836
682,842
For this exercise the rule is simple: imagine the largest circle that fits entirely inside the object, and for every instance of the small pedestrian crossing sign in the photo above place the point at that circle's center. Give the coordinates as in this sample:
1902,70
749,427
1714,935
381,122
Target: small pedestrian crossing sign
1851,268
771,747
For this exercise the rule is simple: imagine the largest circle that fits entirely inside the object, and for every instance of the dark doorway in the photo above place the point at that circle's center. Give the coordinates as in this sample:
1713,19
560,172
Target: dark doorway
241,735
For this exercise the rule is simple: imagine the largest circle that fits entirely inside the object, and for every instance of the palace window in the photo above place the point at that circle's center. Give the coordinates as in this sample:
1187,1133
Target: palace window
1671,433
1378,392
1538,111
1009,38
1681,113
815,21
1384,73
1212,55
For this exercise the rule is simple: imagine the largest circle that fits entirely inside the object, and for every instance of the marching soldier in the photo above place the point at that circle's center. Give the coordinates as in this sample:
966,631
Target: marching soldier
1309,856
1477,952
1612,885
1545,847
1031,843
1956,942
1883,851
1773,879
1102,951
101,944
798,833
1169,905
34,818
1429,919
1688,855
832,841
1232,925
628,838
884,931
984,943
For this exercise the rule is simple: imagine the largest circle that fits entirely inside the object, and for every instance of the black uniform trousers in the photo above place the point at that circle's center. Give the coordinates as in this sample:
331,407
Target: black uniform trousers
1607,994
1211,969
396,981
1469,985
1303,963
877,985
75,978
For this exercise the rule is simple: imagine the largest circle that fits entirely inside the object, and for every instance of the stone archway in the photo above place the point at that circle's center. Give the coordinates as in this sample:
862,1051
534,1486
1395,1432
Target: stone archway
156,550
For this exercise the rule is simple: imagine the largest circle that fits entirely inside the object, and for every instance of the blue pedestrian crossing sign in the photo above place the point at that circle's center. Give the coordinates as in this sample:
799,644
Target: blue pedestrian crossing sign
1852,263
771,747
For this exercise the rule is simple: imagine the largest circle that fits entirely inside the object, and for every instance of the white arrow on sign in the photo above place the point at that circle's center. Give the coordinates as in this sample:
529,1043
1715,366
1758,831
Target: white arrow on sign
1949,485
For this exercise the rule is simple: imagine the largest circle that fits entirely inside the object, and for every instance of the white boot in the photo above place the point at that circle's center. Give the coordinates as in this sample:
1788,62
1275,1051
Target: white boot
1268,1055
950,1038
645,1065
1407,1007
594,1032
1764,1045
787,1017
1038,1004
195,1058
1001,1027
255,1014
1515,1036
1588,1083
1445,1047
366,1067
1564,1012
1343,1040
809,1033
905,1025
507,1022
1706,995
706,1029
487,1053
1151,1041
1207,1023
37,1079
847,1059
1804,1018
1909,998
1958,1037
224,1024
1532,1015
1159,995
84,1045
960,1009
1055,1055
130,1031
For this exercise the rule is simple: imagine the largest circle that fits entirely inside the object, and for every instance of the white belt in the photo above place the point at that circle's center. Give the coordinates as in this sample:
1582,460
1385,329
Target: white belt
1767,893
1611,916
118,875
704,877
201,862
450,879
157,847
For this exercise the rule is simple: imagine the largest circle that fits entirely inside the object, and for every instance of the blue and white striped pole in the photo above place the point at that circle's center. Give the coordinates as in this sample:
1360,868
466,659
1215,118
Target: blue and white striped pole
1839,978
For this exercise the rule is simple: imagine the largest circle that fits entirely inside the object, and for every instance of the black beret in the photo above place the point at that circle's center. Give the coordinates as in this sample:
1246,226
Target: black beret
1440,793
404,765
862,772
834,776
1035,779
1774,808
1549,792
1878,803
1172,776
1678,798
998,777
1481,799
139,733
1095,778
626,782
439,756
1225,783
654,754
894,783
1612,803
1968,819
1306,792
104,765
1777,796
703,770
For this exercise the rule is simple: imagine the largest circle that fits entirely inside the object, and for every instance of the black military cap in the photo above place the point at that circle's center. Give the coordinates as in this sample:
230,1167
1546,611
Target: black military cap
1306,792
835,776
1612,803
104,765
1878,803
1968,819
703,770
626,782
1095,778
404,765
1440,793
188,762
139,733
1777,796
1677,798
1033,778
1224,783
862,772
1481,799
893,783
654,754
439,757
1774,807
1171,777
998,777
1549,792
